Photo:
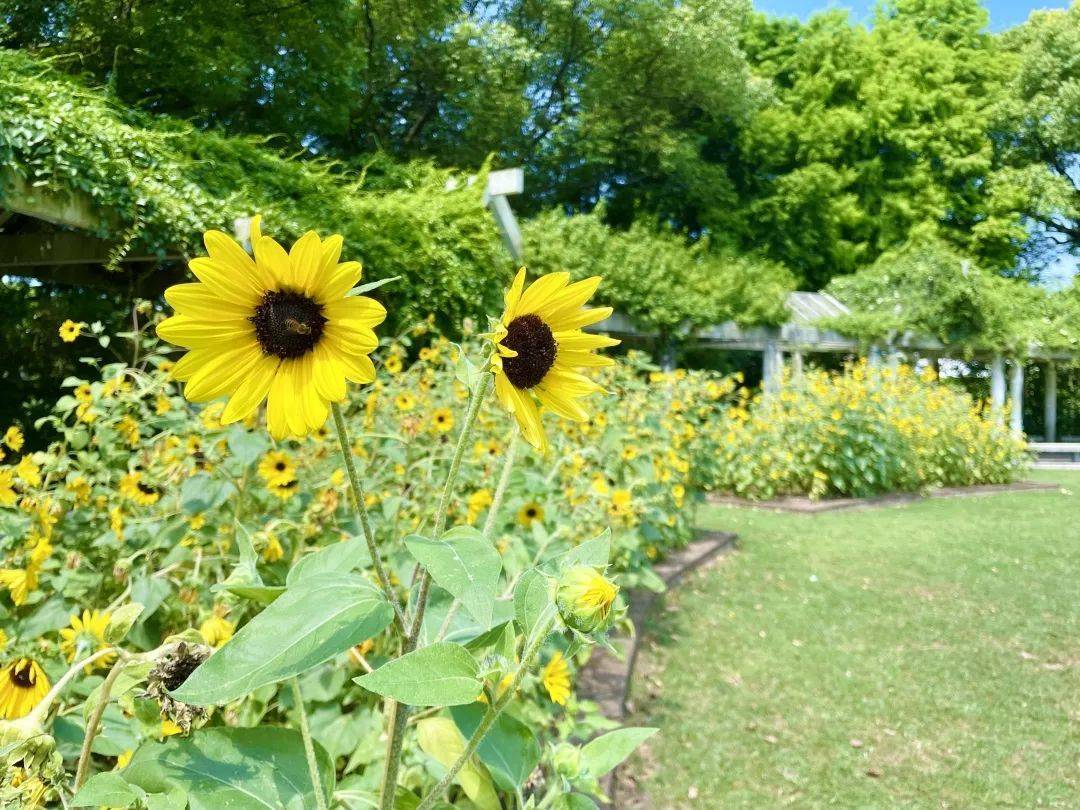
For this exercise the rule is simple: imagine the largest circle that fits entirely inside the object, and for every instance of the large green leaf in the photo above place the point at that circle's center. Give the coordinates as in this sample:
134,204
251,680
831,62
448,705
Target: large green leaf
442,674
532,599
312,621
608,750
465,564
234,768
509,749
336,558
595,552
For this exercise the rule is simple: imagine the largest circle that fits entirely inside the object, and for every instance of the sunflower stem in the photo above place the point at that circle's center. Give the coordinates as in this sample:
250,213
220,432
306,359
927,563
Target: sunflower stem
309,746
95,720
491,715
398,714
356,491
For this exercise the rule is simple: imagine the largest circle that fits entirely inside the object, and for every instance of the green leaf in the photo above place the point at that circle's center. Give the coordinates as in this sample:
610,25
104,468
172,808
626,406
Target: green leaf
574,801
247,446
608,750
532,597
595,552
312,621
510,749
442,674
335,558
440,739
465,564
110,789
235,768
201,493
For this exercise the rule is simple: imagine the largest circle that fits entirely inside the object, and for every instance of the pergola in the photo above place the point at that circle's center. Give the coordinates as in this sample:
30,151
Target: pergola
803,334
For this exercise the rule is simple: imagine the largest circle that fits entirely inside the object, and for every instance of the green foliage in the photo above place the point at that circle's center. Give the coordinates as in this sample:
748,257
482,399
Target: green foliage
927,288
165,182
656,277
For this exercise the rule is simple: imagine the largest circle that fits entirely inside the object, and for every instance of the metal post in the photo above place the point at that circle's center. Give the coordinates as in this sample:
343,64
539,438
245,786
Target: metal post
771,367
997,387
1050,401
1016,395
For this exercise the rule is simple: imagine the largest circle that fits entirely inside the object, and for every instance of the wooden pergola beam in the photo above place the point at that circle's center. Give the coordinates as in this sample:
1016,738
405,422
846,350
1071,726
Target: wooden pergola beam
57,248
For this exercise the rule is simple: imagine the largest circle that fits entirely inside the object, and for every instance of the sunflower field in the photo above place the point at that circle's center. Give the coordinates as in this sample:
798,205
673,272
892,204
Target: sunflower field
860,432
373,593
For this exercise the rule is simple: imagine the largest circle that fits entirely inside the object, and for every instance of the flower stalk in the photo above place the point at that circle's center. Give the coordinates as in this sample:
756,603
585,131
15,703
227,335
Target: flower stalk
309,746
540,633
356,493
399,713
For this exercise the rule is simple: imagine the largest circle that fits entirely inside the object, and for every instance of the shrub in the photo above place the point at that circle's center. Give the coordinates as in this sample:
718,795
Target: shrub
861,432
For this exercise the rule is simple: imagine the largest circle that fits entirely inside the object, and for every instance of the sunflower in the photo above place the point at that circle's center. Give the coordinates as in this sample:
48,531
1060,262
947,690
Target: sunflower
284,489
443,420
279,327
28,472
13,438
556,679
84,393
21,581
132,486
540,347
69,331
529,513
86,634
7,487
23,684
216,630
277,468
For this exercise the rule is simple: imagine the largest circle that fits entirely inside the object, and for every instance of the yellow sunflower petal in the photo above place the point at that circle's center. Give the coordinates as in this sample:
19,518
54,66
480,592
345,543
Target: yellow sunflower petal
221,374
575,339
350,341
194,334
338,282
272,256
305,257
583,317
252,390
276,401
358,368
358,311
534,298
513,295
225,251
198,300
329,375
331,252
224,281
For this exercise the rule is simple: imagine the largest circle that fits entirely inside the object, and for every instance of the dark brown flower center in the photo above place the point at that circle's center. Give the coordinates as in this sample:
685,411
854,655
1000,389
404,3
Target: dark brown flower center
535,345
146,489
288,324
23,677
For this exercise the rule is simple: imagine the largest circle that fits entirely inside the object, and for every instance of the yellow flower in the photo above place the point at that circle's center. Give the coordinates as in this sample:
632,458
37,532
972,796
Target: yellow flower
273,551
478,502
86,634
277,468
285,489
80,488
13,438
278,327
84,393
443,420
132,486
69,330
7,487
540,346
124,758
169,728
23,684
528,513
630,452
29,472
129,429
405,402
393,364
556,679
162,405
216,630
621,501
20,582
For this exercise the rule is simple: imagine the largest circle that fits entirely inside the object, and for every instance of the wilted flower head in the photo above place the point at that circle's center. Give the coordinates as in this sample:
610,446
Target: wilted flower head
170,673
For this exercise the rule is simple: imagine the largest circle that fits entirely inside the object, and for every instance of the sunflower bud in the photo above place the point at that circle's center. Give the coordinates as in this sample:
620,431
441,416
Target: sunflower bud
566,760
121,621
171,671
586,599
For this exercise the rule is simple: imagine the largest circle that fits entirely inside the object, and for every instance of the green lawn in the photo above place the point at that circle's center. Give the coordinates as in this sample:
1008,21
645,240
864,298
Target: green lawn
926,655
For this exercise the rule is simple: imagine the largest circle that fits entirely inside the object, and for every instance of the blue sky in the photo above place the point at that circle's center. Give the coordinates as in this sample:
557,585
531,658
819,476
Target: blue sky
1003,13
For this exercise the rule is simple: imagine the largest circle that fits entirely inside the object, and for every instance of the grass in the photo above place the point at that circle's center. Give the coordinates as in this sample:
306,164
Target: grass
918,656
